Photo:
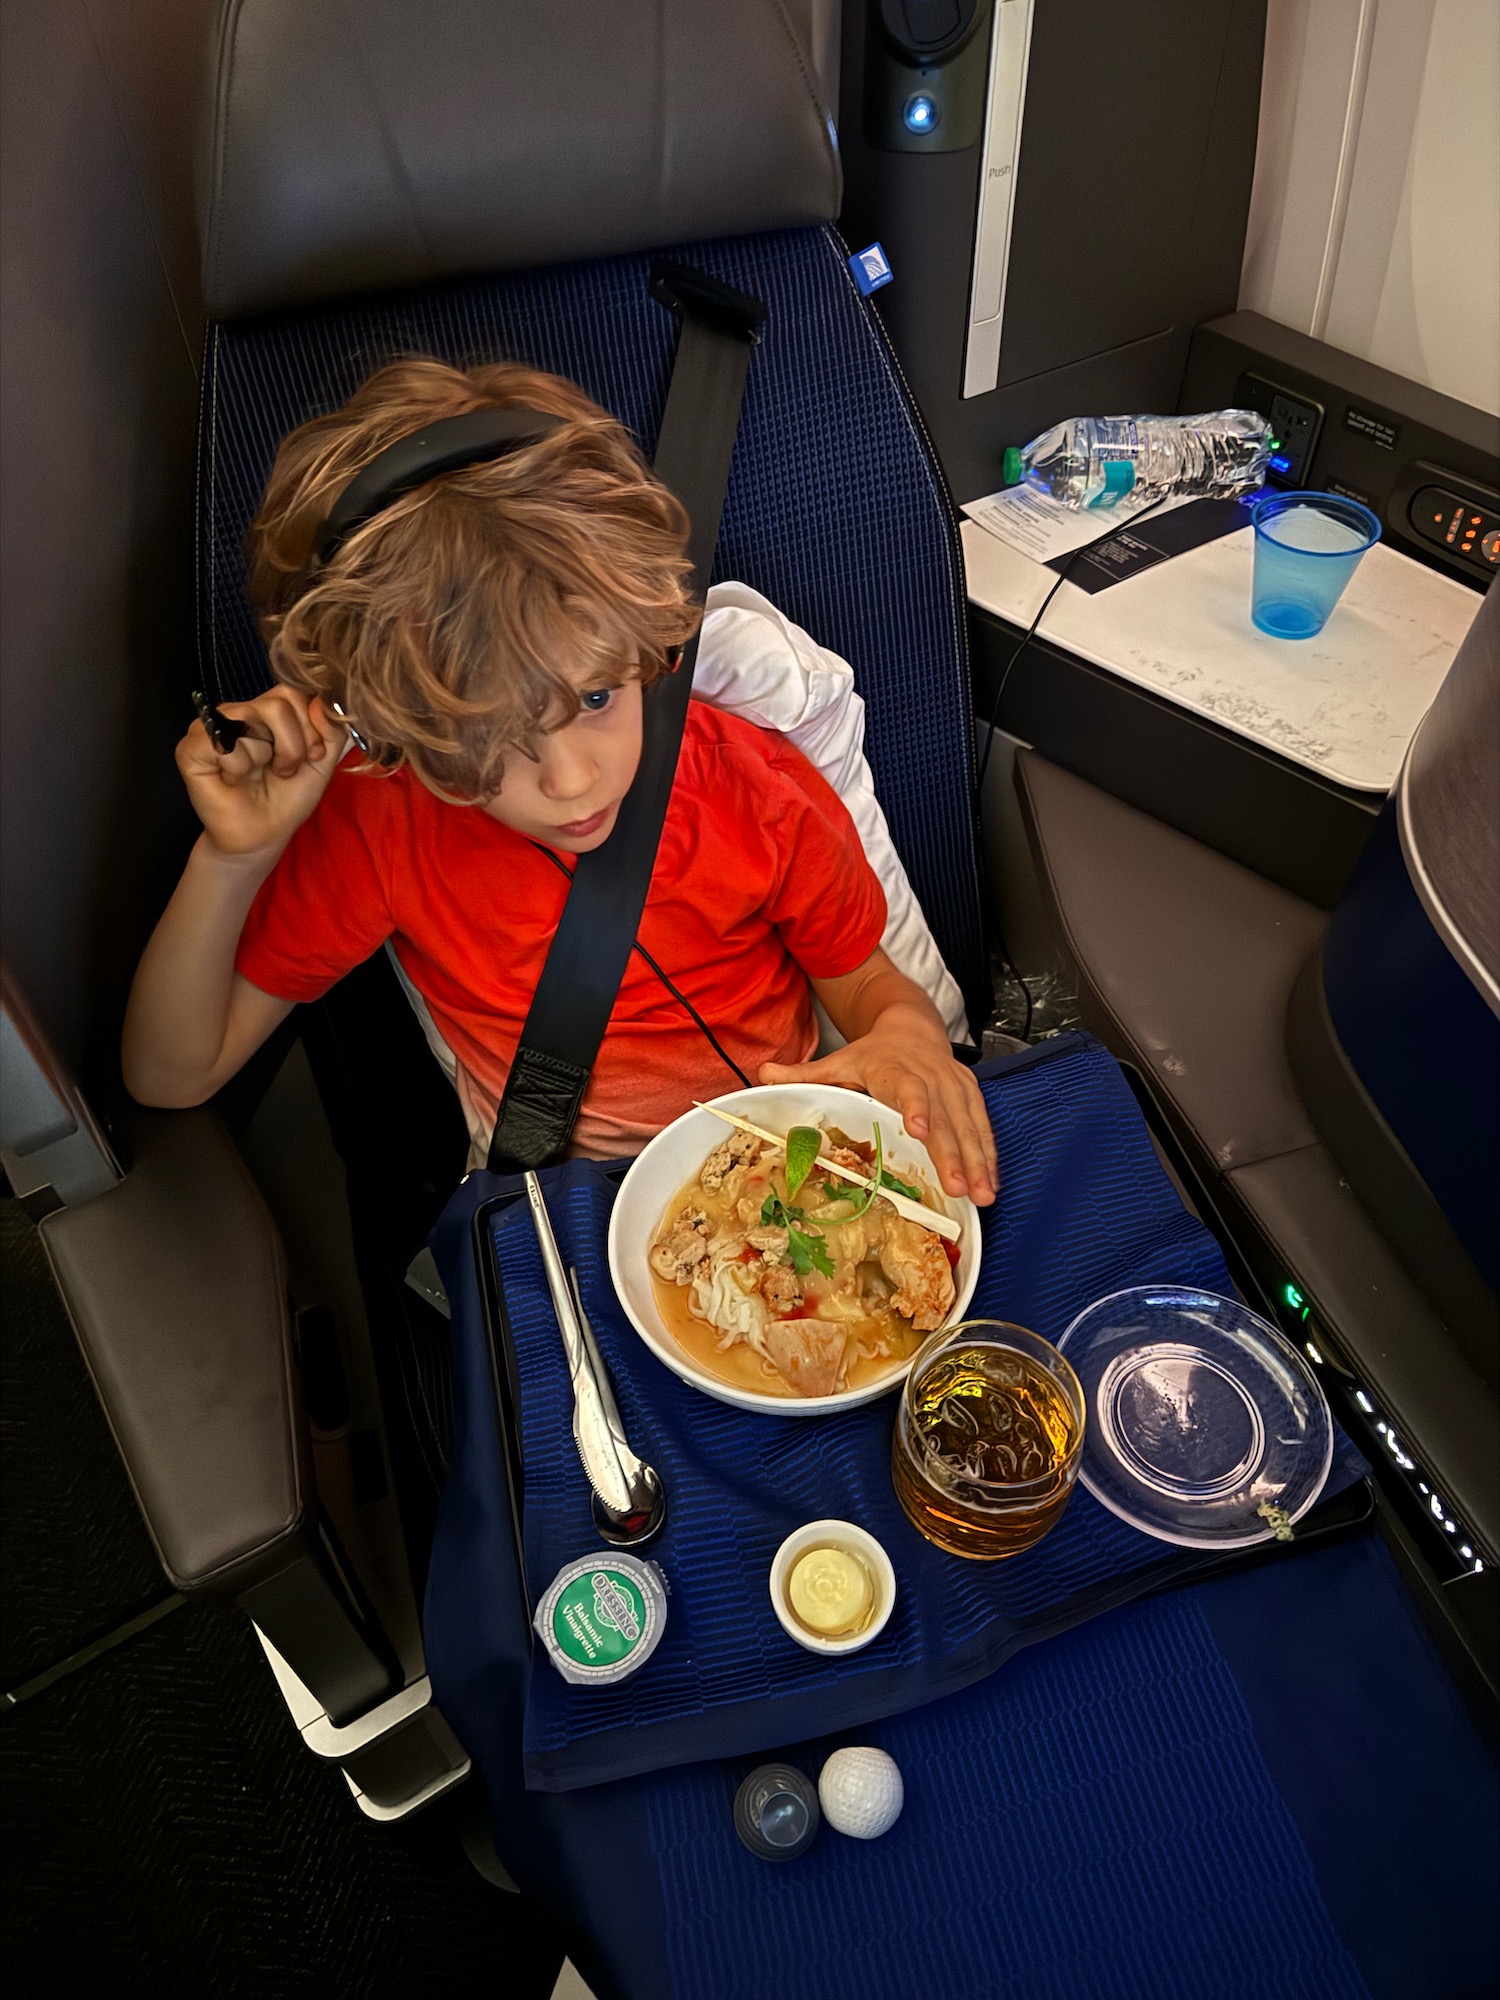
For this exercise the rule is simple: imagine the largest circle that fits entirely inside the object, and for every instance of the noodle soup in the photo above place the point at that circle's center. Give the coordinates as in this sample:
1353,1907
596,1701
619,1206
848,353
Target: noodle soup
792,1294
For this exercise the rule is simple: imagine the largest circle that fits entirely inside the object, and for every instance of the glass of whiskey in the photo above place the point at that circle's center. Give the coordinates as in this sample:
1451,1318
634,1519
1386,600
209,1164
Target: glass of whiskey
988,1437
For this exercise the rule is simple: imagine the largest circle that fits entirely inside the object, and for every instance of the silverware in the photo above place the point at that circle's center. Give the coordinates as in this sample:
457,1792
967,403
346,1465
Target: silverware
629,1503
648,1497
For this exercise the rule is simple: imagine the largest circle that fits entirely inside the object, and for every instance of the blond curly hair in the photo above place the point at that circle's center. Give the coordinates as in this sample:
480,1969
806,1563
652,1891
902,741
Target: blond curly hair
444,624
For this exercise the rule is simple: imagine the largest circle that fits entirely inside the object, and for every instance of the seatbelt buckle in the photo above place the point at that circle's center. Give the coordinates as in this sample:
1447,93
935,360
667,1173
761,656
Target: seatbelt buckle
682,290
543,1096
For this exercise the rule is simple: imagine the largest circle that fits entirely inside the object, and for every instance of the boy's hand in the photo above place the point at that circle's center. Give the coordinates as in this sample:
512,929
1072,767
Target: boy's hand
904,1059
252,799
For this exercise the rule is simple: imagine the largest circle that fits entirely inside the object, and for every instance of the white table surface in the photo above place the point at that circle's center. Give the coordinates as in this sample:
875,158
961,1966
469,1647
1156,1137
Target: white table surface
1345,704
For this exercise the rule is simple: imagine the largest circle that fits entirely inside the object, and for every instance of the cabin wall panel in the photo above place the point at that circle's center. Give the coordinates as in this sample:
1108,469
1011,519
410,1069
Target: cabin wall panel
98,400
1387,246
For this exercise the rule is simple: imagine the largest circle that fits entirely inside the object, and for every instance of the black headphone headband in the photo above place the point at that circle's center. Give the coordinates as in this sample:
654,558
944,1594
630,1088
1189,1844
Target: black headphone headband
447,445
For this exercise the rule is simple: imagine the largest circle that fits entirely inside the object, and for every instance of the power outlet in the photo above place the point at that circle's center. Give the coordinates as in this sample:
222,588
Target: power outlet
1295,421
1294,425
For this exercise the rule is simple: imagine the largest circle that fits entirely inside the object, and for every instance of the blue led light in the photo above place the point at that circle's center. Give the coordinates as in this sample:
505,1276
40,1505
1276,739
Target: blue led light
1280,464
920,114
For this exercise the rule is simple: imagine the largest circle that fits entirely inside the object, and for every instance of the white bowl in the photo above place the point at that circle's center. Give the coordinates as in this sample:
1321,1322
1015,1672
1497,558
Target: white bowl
674,1157
837,1535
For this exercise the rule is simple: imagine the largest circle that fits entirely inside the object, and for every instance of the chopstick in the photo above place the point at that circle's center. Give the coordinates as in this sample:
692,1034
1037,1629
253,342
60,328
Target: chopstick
914,1211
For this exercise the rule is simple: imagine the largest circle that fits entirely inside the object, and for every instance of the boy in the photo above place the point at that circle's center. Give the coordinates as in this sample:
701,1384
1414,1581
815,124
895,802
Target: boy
489,634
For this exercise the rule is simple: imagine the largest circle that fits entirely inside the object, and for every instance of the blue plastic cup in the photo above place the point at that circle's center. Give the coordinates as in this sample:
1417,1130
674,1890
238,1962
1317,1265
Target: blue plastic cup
1307,546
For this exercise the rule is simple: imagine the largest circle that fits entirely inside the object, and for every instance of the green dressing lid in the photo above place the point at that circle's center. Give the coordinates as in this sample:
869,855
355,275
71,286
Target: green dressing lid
601,1617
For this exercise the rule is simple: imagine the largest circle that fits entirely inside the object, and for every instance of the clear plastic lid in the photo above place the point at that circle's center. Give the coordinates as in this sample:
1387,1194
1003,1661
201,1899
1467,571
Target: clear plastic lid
1205,1427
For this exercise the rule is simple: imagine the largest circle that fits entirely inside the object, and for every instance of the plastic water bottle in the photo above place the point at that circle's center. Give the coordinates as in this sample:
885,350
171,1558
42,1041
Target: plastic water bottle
1096,461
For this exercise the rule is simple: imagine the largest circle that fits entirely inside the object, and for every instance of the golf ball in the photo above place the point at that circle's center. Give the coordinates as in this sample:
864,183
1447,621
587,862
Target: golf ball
860,1791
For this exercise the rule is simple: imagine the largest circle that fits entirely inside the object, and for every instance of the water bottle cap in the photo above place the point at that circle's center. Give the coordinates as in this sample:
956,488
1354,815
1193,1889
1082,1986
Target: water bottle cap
1119,475
1013,466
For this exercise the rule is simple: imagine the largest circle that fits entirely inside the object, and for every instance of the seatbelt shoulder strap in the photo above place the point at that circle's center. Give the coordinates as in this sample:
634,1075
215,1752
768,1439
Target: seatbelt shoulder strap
589,952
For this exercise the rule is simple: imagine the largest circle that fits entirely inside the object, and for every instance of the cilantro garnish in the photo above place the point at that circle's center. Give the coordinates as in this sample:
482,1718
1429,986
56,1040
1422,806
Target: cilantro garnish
805,1247
809,1253
882,1178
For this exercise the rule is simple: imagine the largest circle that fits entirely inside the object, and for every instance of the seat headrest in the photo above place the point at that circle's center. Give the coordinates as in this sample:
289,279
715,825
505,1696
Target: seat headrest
364,145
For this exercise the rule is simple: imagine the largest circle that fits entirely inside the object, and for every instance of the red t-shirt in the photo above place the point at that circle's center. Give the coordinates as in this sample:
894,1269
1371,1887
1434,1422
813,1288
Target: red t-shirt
760,884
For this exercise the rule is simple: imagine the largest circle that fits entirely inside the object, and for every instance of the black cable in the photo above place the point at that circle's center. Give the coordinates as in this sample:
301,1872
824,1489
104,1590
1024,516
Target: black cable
989,740
1031,630
1030,634
681,998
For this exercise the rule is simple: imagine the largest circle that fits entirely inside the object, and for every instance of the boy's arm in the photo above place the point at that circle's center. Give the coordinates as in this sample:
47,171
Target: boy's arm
898,1051
192,1019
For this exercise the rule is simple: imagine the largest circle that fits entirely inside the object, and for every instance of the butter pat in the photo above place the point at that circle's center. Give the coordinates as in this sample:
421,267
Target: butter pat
832,1587
831,1592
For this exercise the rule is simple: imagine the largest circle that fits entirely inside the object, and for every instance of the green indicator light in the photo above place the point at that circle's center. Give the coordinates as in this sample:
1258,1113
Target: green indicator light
1293,1297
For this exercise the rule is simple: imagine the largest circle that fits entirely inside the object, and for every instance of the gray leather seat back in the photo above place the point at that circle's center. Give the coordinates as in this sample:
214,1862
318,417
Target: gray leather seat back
363,145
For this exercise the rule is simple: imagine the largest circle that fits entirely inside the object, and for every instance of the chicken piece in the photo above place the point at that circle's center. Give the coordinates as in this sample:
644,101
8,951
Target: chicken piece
738,1150
780,1289
856,1163
678,1253
917,1265
808,1354
770,1240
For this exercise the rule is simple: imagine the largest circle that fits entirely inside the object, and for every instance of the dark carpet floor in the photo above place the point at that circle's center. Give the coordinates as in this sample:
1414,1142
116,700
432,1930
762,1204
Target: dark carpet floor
162,1829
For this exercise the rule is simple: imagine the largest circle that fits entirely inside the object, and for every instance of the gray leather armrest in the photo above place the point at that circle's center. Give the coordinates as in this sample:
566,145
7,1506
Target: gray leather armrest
1188,958
176,1286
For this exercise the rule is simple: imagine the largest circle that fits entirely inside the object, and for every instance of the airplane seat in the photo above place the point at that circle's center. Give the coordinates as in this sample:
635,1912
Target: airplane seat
529,234
474,180
1393,1024
1331,1080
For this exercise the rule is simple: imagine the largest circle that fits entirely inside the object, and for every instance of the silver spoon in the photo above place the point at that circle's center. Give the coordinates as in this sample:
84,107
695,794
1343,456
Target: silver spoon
629,1502
648,1497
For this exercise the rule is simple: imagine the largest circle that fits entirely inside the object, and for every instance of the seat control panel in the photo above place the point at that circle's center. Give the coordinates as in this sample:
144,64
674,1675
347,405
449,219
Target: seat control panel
1449,521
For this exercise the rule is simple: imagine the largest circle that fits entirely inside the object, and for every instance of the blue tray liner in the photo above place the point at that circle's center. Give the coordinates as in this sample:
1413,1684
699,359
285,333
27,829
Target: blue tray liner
1097,1820
1261,1785
1085,1209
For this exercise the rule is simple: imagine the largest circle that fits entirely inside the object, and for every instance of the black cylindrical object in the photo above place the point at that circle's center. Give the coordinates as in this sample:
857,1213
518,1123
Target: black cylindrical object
776,1812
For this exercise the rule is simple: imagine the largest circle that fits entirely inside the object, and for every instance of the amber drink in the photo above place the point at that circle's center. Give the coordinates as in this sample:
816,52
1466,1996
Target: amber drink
987,1441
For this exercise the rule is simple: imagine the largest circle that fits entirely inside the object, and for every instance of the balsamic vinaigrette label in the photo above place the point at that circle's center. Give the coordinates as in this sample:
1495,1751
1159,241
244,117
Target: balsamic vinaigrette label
602,1617
599,1619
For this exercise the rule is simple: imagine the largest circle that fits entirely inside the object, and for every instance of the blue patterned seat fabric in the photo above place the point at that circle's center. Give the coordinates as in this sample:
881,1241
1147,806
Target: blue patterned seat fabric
836,508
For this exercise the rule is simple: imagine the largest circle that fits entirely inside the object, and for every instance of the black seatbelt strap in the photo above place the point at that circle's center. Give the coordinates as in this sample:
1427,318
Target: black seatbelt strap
591,947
